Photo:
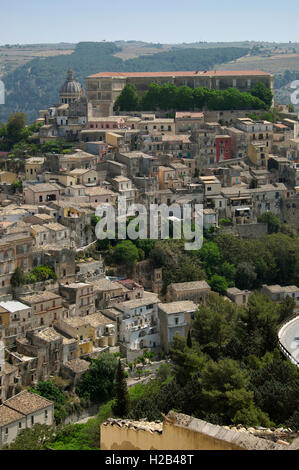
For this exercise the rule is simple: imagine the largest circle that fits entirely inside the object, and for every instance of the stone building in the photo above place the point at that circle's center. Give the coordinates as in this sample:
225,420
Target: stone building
103,88
15,251
195,291
81,295
68,118
23,411
175,318
73,370
16,318
46,308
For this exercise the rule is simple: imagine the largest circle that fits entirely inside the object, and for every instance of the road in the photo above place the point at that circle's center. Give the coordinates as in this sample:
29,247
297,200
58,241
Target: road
289,338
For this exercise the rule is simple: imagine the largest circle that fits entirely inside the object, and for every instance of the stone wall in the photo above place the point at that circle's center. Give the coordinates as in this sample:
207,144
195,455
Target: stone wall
179,432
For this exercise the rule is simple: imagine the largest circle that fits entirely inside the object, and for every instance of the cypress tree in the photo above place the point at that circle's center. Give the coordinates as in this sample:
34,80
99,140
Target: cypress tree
122,404
189,339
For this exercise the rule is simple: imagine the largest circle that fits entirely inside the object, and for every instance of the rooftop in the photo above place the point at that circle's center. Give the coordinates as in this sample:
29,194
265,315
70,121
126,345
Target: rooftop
193,285
178,307
77,365
7,415
27,402
147,299
13,306
43,297
49,334
209,73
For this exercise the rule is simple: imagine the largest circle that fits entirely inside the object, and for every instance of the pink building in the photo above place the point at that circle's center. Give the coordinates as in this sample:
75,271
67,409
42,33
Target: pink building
223,147
109,122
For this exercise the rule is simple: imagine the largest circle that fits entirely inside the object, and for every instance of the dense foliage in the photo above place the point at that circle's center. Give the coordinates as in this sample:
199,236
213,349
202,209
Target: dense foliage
37,274
98,381
231,371
169,97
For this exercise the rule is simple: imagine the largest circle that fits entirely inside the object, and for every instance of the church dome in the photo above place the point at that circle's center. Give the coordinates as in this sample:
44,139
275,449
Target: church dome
70,85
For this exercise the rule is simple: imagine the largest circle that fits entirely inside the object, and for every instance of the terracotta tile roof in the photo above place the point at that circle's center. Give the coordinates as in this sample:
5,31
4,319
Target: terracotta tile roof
27,402
212,73
7,415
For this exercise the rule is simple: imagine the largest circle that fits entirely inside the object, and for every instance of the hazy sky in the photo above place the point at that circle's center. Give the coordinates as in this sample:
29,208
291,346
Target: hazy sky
165,21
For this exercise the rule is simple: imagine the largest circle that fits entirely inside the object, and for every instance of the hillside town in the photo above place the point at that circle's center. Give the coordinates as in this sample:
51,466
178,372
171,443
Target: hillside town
68,297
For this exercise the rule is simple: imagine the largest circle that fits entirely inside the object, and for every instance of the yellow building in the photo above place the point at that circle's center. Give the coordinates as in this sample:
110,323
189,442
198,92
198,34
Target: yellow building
4,317
71,212
8,177
33,167
79,329
114,139
66,180
258,154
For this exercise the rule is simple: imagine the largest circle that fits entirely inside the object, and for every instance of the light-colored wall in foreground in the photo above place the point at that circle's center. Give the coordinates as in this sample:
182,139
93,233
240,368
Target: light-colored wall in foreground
180,432
172,438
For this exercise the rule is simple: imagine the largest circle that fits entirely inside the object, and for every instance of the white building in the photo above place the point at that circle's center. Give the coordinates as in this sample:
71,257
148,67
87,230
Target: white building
23,411
139,324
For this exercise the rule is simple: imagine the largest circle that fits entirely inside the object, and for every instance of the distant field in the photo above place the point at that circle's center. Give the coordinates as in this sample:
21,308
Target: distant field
275,64
134,52
14,56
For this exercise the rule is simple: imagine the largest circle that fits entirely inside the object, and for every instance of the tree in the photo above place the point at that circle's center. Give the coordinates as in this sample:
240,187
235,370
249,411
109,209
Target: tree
271,220
200,96
150,100
17,279
17,186
96,384
275,386
286,308
48,390
215,324
184,98
261,322
245,275
168,96
122,403
210,256
94,220
218,284
15,127
125,253
128,100
261,91
38,437
224,392
189,339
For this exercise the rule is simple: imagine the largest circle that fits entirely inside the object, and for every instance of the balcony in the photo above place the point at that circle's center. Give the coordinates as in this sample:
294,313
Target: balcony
177,325
138,327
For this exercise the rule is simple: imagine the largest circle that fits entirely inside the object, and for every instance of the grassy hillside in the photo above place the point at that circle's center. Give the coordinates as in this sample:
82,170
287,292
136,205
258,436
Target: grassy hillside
13,56
36,84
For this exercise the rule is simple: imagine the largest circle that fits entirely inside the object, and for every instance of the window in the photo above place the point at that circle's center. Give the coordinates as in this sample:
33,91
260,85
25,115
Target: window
32,419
